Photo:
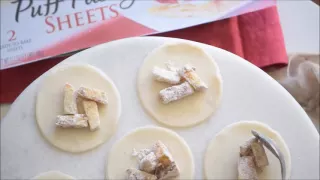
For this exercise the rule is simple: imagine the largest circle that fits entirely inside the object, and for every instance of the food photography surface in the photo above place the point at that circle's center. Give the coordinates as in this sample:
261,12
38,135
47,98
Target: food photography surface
153,108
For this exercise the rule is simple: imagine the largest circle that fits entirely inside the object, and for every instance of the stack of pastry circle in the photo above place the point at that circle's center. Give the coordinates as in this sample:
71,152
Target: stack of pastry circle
50,102
190,110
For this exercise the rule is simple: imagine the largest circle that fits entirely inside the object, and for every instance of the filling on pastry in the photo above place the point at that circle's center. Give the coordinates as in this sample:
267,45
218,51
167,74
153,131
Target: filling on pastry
155,162
185,80
252,160
71,118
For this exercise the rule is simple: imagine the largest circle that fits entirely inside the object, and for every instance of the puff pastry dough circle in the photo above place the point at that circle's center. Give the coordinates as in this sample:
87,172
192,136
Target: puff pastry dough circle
221,157
50,104
52,175
190,110
120,156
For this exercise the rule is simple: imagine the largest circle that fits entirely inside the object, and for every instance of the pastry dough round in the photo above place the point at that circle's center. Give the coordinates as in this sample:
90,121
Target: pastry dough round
221,158
53,175
187,111
120,157
50,104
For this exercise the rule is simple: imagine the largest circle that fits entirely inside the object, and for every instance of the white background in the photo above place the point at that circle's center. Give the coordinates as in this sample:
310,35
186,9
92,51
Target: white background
300,25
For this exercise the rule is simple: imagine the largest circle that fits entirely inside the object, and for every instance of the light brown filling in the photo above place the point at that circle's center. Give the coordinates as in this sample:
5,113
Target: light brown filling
156,162
252,160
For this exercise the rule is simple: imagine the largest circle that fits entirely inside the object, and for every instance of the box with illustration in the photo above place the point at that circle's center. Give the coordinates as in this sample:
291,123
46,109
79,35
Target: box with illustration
33,30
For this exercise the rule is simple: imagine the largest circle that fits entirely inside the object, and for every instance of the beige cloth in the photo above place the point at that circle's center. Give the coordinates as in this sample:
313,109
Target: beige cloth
301,78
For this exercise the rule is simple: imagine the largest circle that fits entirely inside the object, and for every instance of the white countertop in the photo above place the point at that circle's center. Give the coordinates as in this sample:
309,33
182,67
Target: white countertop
300,25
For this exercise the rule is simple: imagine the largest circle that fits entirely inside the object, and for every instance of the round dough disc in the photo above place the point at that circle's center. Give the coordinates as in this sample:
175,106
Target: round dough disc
53,175
50,104
221,158
187,111
120,157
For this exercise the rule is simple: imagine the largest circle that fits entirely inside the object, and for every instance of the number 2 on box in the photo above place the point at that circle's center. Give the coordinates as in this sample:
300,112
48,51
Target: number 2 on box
13,35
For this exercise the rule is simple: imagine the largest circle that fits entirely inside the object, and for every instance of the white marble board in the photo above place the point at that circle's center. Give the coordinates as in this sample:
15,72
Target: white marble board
248,94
